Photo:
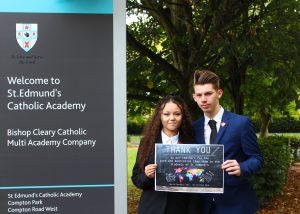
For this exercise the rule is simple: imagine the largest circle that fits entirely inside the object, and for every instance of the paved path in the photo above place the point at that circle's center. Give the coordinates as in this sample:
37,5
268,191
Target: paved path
296,167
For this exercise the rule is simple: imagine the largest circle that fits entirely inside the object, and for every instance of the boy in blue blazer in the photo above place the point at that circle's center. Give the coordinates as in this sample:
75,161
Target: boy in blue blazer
241,151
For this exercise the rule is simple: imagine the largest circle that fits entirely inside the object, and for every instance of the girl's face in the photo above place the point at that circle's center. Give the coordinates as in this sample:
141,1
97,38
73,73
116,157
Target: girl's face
171,118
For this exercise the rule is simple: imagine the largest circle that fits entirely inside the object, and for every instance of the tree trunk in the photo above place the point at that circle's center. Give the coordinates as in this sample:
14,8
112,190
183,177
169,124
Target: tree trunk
237,77
194,110
180,12
238,97
265,121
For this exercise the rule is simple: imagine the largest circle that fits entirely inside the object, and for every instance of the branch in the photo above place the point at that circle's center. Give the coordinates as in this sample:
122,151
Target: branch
161,17
166,66
131,5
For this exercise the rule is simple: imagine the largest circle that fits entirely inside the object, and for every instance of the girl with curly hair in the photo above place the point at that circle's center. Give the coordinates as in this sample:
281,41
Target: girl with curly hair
170,124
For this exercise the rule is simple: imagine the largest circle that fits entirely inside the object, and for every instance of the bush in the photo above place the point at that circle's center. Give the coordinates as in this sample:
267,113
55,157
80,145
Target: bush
134,128
280,125
270,180
286,125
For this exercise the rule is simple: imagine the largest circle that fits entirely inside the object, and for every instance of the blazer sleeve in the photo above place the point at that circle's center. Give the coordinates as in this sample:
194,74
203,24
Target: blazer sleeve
254,159
139,178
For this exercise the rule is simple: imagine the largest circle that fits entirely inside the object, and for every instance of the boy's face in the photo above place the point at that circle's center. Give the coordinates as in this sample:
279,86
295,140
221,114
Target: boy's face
207,99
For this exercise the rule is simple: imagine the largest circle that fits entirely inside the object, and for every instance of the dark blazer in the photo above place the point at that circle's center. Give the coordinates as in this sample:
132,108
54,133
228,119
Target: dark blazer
156,202
237,135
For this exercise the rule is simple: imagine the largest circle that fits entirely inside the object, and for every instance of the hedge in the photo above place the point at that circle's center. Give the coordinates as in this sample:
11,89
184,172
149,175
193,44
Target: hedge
134,128
270,180
280,125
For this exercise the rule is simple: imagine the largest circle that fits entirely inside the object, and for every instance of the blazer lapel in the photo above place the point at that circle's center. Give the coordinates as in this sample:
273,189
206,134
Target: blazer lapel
200,131
223,126
159,138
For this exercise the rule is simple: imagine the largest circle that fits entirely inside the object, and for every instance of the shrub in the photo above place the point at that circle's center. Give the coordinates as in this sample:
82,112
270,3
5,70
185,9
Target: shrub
270,180
280,125
134,128
286,125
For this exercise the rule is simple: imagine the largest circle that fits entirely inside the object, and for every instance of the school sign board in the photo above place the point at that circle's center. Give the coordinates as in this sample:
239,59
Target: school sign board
57,107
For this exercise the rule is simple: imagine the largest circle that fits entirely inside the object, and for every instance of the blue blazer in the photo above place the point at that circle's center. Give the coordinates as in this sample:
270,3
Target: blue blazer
237,135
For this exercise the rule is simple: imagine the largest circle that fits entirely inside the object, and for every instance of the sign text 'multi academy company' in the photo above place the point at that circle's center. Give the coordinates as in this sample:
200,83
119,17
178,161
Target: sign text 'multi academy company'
56,128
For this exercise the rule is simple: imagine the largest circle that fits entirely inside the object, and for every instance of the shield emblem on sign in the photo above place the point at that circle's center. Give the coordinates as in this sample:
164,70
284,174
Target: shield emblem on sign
26,35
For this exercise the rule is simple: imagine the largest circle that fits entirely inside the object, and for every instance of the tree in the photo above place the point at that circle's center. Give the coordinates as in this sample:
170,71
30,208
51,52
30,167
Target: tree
173,38
273,79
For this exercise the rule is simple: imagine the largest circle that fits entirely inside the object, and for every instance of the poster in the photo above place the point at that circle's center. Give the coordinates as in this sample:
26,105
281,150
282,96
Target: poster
56,128
189,168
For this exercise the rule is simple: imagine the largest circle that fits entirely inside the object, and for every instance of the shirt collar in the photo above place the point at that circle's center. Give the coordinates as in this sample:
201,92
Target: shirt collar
217,118
169,140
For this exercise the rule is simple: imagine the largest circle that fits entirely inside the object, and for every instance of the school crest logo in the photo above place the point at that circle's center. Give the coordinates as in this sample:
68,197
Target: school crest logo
26,35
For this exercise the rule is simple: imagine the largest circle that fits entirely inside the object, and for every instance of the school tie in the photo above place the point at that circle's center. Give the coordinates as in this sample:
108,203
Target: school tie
213,134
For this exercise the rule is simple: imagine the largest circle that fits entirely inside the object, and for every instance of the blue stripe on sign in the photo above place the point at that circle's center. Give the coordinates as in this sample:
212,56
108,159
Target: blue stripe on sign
57,6
57,186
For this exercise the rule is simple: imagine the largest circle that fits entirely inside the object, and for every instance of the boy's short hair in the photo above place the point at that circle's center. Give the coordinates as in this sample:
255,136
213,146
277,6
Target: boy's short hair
202,77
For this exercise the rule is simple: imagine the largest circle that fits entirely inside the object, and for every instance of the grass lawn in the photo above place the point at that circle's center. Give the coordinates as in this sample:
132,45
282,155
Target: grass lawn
131,154
135,138
287,134
134,193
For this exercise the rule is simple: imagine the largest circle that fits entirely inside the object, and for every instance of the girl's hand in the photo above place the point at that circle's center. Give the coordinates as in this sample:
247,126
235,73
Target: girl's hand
150,170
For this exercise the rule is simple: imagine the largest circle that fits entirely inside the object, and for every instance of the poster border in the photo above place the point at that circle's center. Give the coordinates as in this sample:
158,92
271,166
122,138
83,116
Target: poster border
215,190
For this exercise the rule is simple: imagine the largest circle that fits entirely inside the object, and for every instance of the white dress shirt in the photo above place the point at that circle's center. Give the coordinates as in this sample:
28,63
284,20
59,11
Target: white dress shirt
207,129
169,140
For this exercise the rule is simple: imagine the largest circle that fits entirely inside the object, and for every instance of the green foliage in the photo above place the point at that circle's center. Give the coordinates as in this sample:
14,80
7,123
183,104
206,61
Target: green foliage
285,125
252,45
277,125
134,128
280,125
293,109
135,125
270,180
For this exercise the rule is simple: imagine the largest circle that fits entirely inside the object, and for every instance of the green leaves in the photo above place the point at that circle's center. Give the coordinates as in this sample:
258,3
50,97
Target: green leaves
271,179
252,45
